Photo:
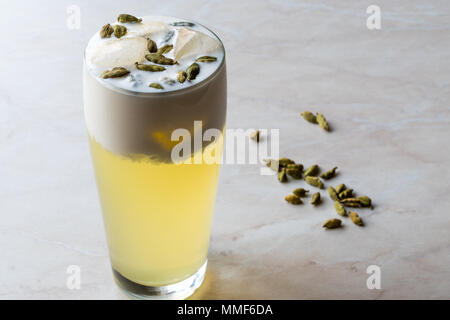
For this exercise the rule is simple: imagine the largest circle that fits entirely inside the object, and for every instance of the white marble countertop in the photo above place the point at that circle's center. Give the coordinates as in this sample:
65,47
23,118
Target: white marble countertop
385,92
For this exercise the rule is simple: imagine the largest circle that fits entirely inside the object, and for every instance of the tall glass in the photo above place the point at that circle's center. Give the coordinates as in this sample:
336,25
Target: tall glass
157,212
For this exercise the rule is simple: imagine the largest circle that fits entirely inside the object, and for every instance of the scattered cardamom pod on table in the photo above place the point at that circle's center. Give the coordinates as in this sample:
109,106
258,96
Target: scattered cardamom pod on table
309,116
329,174
340,209
294,170
332,224
282,177
365,201
293,199
348,193
322,121
314,181
333,194
340,188
351,202
300,192
316,199
356,219
312,171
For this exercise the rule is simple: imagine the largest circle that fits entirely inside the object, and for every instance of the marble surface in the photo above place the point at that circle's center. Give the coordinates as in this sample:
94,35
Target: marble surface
386,94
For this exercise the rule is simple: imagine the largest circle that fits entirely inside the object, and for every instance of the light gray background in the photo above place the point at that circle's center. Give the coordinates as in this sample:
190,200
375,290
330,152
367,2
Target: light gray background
386,94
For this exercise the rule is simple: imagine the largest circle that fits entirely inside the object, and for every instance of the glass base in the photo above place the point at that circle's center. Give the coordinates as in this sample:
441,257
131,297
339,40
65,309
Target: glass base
176,291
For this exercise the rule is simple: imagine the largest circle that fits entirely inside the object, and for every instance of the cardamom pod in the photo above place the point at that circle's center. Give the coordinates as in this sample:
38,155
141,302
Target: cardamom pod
294,170
316,199
348,193
116,72
164,49
283,162
351,202
192,71
159,59
293,199
282,177
332,224
322,121
124,18
106,31
365,201
340,208
181,76
312,171
333,194
255,135
151,45
329,174
156,85
310,117
340,188
119,31
314,181
206,59
300,192
149,67
356,219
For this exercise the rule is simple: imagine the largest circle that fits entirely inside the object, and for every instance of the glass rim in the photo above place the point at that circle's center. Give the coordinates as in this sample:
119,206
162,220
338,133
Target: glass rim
163,93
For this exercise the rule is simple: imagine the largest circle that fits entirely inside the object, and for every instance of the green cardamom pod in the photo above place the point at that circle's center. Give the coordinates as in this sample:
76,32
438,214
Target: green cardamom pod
156,85
322,121
255,135
124,18
106,31
333,194
308,116
283,162
192,71
348,193
340,188
282,177
365,201
293,199
312,171
206,59
119,31
116,72
314,181
164,49
294,170
356,219
351,202
340,208
151,45
181,77
149,67
300,192
329,174
159,59
316,199
332,224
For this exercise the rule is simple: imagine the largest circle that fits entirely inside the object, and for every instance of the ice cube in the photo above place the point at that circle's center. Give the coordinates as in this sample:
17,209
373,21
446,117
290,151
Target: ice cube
190,42
106,54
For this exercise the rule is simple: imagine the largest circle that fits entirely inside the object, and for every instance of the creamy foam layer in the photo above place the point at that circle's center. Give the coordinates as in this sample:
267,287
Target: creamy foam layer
189,39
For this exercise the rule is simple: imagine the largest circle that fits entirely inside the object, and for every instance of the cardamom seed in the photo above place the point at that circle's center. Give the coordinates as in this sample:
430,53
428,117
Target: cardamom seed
314,181
365,201
312,171
310,117
106,31
329,174
351,202
124,18
356,219
300,192
159,59
333,194
119,31
340,188
156,85
293,199
255,135
332,224
294,170
316,199
181,76
116,72
192,71
164,49
282,177
149,67
322,121
348,193
340,208
151,45
206,59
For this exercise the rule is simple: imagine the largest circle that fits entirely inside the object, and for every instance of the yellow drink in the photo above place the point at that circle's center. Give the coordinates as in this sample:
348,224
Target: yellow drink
157,215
